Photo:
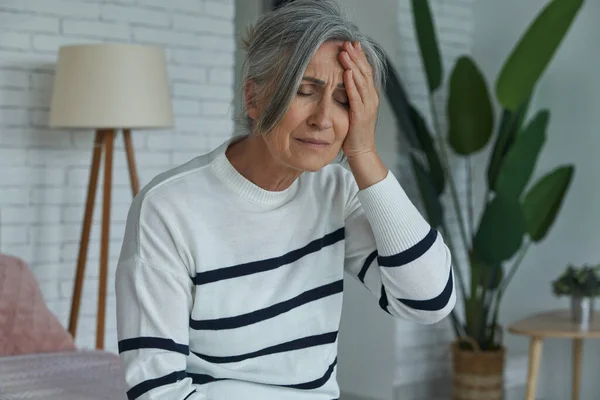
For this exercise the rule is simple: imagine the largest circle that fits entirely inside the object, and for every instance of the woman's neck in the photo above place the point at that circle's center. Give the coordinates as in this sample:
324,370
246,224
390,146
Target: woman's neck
253,160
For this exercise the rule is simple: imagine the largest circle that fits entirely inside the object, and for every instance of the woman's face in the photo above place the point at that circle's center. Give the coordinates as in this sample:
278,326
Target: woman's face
312,132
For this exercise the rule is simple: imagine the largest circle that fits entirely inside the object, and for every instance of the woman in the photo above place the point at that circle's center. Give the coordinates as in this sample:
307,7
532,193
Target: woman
229,284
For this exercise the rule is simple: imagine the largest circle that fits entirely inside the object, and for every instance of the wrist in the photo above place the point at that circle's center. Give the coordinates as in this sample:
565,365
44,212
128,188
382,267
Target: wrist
367,168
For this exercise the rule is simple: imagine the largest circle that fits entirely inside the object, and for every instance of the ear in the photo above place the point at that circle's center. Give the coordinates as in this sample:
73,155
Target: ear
251,101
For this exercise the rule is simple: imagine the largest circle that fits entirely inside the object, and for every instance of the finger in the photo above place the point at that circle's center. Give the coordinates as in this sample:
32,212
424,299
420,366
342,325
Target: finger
360,59
351,61
365,77
359,80
354,97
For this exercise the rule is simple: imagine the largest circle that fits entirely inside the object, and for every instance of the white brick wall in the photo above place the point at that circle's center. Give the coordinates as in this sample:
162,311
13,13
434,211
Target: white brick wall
454,25
44,173
423,356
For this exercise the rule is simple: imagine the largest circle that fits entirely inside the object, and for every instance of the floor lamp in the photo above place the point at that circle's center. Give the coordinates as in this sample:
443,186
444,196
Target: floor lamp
107,88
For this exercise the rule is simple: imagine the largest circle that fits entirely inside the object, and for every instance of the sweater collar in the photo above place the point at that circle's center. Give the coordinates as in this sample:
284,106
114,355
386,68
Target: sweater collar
244,187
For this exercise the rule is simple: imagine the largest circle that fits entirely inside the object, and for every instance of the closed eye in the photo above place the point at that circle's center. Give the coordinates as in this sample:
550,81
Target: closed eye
343,103
305,93
342,99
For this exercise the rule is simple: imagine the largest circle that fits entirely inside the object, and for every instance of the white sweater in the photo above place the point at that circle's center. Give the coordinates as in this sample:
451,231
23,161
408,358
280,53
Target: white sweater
226,291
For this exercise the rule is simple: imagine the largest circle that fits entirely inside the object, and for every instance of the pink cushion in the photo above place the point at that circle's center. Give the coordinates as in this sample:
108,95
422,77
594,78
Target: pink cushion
26,324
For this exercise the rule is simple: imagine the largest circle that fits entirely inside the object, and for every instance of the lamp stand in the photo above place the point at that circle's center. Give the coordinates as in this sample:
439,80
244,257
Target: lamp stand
104,139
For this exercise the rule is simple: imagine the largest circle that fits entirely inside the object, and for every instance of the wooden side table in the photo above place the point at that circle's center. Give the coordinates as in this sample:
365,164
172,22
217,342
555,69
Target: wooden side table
554,324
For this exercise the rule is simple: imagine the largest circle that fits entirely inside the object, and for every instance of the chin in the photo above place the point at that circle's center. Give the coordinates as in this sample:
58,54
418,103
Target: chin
311,164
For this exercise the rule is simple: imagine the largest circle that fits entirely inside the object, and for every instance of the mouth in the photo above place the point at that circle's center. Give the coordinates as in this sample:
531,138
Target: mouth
313,142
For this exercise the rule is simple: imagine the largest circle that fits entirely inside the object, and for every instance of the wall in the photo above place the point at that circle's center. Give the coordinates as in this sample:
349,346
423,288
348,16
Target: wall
246,13
366,362
423,352
44,172
380,357
570,89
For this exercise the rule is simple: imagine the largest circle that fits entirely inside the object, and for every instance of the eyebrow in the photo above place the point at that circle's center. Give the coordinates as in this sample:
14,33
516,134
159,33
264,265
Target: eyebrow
320,82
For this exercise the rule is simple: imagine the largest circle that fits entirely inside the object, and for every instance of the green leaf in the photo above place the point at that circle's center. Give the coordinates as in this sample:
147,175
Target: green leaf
543,201
400,105
436,172
533,52
500,231
428,44
520,161
433,207
470,113
510,124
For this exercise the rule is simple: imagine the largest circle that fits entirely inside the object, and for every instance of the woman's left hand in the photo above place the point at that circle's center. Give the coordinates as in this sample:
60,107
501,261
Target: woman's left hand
363,99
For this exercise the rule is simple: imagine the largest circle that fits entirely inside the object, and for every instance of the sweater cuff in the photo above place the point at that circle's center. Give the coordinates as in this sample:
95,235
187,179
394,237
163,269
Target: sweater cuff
396,223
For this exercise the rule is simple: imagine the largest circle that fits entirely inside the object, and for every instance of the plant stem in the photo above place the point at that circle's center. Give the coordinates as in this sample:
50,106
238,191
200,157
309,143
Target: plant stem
505,283
456,267
471,221
487,300
458,329
445,160
516,264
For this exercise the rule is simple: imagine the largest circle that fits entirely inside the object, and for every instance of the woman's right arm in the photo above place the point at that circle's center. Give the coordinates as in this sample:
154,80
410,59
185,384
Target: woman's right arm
154,294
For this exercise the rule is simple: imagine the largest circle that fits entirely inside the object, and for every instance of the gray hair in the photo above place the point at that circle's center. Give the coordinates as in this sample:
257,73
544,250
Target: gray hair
280,46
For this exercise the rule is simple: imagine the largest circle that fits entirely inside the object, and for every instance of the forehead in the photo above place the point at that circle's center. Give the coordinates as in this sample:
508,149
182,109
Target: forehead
325,59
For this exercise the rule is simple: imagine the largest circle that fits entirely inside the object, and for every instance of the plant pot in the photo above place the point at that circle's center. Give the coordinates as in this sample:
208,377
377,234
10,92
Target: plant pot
477,374
582,311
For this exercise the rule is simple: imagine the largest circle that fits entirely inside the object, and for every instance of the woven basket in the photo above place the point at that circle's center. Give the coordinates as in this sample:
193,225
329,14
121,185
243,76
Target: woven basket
476,374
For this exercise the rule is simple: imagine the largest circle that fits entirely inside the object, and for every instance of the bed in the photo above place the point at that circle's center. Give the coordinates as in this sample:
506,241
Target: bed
79,375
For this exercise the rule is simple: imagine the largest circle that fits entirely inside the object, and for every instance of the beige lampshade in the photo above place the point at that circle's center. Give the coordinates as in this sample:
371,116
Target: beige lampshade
116,86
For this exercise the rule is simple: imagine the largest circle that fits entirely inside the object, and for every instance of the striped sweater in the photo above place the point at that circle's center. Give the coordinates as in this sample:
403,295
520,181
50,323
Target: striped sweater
226,291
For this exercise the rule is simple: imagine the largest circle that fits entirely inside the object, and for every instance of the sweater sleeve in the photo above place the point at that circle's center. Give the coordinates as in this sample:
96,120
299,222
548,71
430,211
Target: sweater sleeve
154,294
397,255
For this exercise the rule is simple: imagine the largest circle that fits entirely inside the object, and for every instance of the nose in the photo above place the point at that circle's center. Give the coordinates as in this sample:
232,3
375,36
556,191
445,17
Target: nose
321,116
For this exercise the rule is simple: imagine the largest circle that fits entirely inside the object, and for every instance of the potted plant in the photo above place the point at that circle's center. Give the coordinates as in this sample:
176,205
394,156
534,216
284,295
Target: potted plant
581,285
516,212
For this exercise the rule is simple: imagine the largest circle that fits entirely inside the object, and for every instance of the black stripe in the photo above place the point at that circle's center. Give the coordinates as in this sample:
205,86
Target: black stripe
302,343
383,300
366,265
152,343
150,384
435,304
191,393
411,254
268,264
202,379
317,383
269,312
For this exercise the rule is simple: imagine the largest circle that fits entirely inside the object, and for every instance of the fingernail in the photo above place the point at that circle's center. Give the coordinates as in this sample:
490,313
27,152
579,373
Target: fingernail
359,46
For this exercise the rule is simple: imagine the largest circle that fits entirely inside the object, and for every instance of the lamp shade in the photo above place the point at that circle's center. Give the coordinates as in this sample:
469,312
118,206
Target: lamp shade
111,86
